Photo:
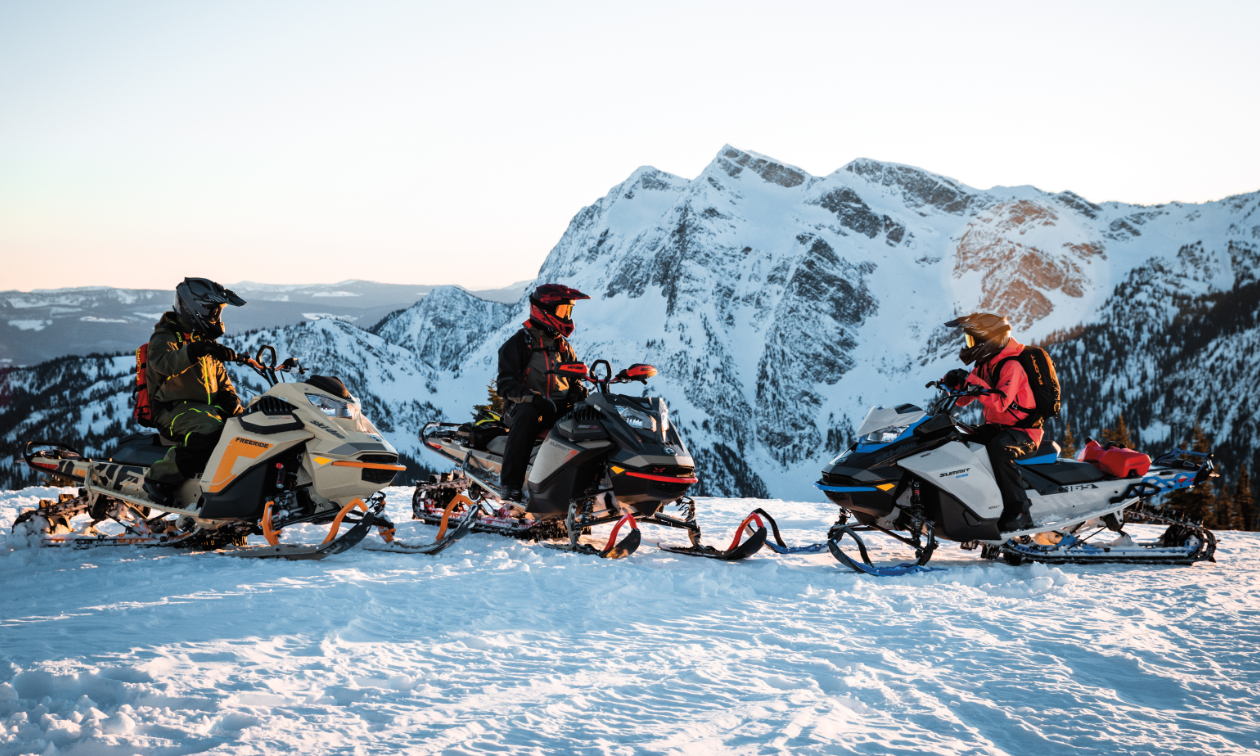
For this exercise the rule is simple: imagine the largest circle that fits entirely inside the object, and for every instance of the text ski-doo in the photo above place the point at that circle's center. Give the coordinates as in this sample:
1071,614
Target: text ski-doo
914,475
613,459
300,453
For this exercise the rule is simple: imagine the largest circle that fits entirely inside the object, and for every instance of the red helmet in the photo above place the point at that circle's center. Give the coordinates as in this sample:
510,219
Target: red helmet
551,307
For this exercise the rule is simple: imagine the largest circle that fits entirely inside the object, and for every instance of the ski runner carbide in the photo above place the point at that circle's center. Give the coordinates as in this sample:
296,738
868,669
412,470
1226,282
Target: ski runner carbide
613,459
300,453
917,475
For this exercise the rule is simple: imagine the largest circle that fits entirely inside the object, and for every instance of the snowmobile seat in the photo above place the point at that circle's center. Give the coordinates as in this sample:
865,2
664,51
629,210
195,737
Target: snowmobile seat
1064,472
1046,454
498,445
141,449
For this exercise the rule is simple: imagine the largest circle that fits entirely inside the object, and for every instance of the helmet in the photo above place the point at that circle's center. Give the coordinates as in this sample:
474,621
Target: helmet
198,302
551,307
985,335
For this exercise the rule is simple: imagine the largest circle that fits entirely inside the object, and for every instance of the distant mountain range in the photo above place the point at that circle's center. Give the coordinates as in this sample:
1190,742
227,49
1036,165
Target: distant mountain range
39,325
780,306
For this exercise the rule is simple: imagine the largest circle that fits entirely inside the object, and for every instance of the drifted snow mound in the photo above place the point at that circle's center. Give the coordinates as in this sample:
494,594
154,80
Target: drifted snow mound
504,647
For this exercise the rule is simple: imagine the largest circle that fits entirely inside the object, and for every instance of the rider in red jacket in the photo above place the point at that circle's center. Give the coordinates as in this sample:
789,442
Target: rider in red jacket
988,343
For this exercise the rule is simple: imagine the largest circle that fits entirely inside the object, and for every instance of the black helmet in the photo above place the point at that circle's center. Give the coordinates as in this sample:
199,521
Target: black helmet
985,335
198,302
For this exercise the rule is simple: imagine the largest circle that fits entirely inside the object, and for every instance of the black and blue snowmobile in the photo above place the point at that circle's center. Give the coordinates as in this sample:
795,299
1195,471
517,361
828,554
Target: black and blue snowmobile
914,475
614,458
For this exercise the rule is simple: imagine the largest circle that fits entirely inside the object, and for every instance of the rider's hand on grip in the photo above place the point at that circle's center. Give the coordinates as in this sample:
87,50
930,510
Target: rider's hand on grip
955,378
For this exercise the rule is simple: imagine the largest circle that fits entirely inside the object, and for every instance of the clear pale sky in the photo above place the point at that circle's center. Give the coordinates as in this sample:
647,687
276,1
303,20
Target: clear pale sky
410,142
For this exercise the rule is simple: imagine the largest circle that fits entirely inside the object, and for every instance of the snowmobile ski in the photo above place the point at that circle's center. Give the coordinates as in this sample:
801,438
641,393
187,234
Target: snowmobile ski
737,551
865,566
446,535
778,545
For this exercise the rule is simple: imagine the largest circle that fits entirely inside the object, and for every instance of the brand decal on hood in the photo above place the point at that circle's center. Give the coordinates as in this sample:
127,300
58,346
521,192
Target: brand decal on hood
953,472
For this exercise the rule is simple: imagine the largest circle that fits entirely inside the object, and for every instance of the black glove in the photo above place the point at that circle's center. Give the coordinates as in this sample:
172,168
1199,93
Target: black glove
544,405
956,378
199,349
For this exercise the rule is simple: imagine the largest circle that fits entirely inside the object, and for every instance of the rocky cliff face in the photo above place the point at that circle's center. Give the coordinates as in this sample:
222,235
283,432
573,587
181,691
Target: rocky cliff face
780,306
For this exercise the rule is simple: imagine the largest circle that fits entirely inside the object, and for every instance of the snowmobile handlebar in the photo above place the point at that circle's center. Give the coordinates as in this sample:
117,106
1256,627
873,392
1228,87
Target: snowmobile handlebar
637,372
267,368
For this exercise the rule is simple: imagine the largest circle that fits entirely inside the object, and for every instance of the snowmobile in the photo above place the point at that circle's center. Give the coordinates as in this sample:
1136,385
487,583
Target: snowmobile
915,476
301,452
614,458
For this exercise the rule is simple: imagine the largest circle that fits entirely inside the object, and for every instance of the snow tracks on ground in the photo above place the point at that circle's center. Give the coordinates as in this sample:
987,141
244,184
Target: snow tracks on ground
504,647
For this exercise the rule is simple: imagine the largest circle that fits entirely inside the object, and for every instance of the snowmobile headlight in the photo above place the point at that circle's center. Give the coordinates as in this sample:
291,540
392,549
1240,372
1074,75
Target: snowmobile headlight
884,435
332,407
636,418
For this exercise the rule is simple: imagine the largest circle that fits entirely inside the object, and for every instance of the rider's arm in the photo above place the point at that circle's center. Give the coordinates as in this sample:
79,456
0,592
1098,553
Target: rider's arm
166,356
1006,390
513,361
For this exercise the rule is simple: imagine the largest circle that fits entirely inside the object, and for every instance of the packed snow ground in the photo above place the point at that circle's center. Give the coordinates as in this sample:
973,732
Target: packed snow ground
504,647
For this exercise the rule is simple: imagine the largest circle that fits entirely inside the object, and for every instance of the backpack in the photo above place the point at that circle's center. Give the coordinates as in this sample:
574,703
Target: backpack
1043,381
143,411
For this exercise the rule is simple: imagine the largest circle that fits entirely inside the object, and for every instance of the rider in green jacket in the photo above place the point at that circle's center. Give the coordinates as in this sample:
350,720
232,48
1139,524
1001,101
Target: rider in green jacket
189,387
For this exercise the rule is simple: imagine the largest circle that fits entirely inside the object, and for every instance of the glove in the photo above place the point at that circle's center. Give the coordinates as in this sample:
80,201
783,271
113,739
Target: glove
199,349
956,378
544,405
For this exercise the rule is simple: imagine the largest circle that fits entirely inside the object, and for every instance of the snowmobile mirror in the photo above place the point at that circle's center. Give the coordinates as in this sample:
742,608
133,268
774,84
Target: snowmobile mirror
291,364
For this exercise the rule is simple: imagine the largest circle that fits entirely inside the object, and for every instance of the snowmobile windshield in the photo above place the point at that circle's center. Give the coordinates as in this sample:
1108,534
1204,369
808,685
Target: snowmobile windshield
336,408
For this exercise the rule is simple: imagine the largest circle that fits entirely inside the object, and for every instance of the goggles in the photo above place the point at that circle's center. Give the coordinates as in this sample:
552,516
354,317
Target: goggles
564,311
969,339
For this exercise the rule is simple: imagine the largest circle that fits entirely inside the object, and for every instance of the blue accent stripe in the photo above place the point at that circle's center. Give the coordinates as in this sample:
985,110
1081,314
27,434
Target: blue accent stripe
845,489
1044,459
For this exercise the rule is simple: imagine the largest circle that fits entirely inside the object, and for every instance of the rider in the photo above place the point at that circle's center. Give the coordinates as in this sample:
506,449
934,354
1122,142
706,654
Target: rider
190,390
528,382
988,343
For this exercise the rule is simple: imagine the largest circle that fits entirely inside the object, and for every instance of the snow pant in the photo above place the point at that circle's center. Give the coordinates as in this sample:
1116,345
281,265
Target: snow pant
1005,445
196,429
524,424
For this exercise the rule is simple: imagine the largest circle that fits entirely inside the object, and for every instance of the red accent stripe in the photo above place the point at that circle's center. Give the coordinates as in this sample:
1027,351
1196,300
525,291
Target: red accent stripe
740,530
612,537
44,465
662,478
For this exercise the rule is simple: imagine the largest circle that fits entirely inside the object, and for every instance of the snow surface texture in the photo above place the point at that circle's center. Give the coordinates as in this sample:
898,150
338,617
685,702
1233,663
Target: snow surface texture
504,647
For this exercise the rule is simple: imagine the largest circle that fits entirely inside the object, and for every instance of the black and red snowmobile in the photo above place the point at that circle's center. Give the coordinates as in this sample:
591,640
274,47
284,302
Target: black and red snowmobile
614,458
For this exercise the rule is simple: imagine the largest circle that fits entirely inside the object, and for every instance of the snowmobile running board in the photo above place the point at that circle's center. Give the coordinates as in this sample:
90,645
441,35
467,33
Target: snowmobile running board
227,539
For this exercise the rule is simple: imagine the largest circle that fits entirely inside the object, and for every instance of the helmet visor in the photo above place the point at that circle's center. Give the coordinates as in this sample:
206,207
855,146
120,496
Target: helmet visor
564,311
969,339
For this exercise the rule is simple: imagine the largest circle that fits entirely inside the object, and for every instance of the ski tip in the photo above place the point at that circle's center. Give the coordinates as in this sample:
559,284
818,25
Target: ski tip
625,548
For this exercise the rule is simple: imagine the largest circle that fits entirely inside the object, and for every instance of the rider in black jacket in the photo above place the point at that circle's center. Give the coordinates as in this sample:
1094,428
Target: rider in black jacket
535,394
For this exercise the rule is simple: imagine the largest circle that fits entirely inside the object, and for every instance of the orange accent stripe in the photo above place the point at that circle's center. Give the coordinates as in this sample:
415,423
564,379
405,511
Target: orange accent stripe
446,514
336,525
236,449
368,465
272,536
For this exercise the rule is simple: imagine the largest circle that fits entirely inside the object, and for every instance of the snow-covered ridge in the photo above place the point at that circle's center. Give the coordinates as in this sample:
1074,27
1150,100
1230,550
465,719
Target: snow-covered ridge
780,306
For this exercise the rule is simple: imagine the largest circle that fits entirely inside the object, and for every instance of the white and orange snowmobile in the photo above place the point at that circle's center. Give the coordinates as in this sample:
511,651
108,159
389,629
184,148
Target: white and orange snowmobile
301,452
613,459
